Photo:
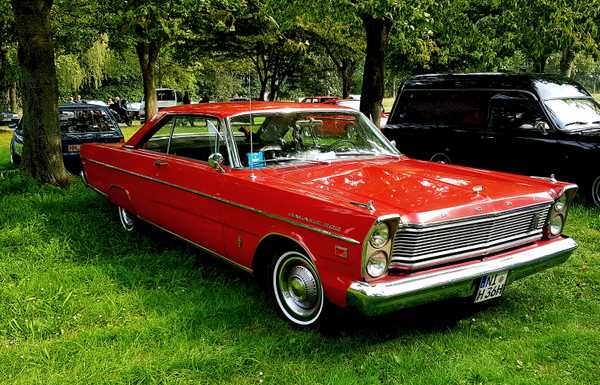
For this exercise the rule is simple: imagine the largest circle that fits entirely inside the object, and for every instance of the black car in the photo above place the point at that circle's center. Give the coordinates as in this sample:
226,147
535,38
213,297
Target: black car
533,124
79,123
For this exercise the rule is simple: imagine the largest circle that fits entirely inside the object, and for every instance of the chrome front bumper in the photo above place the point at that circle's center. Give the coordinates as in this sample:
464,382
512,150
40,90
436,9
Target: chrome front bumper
455,282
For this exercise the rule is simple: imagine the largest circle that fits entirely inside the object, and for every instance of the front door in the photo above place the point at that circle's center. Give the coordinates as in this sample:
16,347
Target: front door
185,195
517,143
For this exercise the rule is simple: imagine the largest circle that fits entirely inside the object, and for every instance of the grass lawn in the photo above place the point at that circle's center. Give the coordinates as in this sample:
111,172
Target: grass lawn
82,302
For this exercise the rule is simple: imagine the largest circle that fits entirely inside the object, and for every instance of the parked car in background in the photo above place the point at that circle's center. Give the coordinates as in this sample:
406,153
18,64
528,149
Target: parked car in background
133,110
354,103
79,123
533,124
8,118
166,97
318,99
328,216
96,103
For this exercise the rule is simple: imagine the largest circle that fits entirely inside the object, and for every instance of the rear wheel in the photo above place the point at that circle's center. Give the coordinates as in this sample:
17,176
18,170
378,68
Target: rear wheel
128,221
440,157
594,191
297,288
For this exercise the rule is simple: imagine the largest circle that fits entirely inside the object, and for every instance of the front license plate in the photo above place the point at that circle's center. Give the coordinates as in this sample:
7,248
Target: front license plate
73,147
491,286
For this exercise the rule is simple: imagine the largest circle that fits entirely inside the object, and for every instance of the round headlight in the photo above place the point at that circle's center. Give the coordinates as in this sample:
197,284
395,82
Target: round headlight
380,235
377,264
555,225
561,203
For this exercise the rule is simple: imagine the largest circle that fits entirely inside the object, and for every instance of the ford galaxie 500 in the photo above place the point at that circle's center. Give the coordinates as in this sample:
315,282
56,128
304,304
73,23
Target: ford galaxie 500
316,202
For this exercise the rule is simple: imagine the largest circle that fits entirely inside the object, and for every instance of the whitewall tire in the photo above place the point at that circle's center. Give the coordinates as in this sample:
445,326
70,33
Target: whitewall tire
128,221
297,288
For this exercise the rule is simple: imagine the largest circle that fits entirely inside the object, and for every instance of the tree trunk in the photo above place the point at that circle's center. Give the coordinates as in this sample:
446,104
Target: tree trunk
42,153
567,57
263,90
540,64
371,101
12,98
147,56
347,73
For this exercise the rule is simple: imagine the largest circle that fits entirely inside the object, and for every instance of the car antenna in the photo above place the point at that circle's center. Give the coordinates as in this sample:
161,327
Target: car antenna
250,158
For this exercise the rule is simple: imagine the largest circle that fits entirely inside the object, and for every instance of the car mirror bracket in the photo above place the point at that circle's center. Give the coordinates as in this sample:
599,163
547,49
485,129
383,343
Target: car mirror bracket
216,161
542,127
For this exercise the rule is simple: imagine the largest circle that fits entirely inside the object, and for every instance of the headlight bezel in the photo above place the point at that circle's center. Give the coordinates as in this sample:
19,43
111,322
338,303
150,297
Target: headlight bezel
559,209
392,221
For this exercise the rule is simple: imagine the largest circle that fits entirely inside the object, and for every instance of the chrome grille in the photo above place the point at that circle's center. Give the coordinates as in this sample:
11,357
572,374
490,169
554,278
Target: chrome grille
420,247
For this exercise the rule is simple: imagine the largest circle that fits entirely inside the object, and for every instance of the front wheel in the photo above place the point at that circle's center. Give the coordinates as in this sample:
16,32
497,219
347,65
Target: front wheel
127,220
297,288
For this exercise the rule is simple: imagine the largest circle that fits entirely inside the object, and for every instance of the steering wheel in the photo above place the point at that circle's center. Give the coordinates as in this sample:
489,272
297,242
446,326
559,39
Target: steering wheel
342,143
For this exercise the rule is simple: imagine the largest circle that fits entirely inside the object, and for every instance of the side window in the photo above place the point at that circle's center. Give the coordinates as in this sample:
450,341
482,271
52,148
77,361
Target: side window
197,137
159,141
514,111
454,109
194,137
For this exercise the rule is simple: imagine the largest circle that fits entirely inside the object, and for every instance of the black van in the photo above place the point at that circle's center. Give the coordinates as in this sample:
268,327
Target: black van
533,124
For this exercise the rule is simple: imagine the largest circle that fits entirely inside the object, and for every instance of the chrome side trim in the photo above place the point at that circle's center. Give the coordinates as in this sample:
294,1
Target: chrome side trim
209,251
231,203
98,191
454,282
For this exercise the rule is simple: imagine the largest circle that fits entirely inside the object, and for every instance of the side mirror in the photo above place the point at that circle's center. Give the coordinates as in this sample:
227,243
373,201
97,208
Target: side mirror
542,126
393,142
12,125
216,161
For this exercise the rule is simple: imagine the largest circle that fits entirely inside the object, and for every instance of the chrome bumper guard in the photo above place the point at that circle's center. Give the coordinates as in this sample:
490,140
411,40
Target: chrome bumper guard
458,282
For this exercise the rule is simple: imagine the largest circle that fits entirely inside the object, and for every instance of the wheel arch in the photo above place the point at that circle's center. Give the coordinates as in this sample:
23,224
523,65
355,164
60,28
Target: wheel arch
276,241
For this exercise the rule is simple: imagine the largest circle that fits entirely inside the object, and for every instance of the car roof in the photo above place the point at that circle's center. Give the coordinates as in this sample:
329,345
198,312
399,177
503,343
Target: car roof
482,80
83,106
226,109
545,85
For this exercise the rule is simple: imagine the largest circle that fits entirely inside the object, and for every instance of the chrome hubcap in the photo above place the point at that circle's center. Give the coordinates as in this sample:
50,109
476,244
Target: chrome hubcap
127,220
297,288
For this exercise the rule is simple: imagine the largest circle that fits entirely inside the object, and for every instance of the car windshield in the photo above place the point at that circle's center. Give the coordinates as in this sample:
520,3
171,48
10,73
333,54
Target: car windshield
575,113
265,139
85,120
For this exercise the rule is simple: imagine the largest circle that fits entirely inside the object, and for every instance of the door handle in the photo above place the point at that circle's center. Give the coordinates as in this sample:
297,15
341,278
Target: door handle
160,163
488,137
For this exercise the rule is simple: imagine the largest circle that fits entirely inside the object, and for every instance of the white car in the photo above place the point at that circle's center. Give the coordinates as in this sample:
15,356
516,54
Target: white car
165,97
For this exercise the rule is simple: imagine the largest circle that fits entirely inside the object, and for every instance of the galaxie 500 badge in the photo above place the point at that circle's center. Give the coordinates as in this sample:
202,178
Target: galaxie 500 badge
315,222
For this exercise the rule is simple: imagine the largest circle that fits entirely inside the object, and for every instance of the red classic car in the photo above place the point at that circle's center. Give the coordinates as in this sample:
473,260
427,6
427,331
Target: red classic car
330,216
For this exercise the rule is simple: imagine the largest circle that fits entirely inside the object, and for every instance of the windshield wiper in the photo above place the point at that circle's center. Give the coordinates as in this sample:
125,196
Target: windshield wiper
285,159
572,123
357,153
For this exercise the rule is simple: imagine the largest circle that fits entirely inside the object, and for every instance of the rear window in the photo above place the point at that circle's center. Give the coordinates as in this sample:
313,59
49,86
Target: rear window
85,120
463,109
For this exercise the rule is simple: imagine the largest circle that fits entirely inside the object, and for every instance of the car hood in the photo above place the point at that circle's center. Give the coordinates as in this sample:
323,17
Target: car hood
586,136
421,192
